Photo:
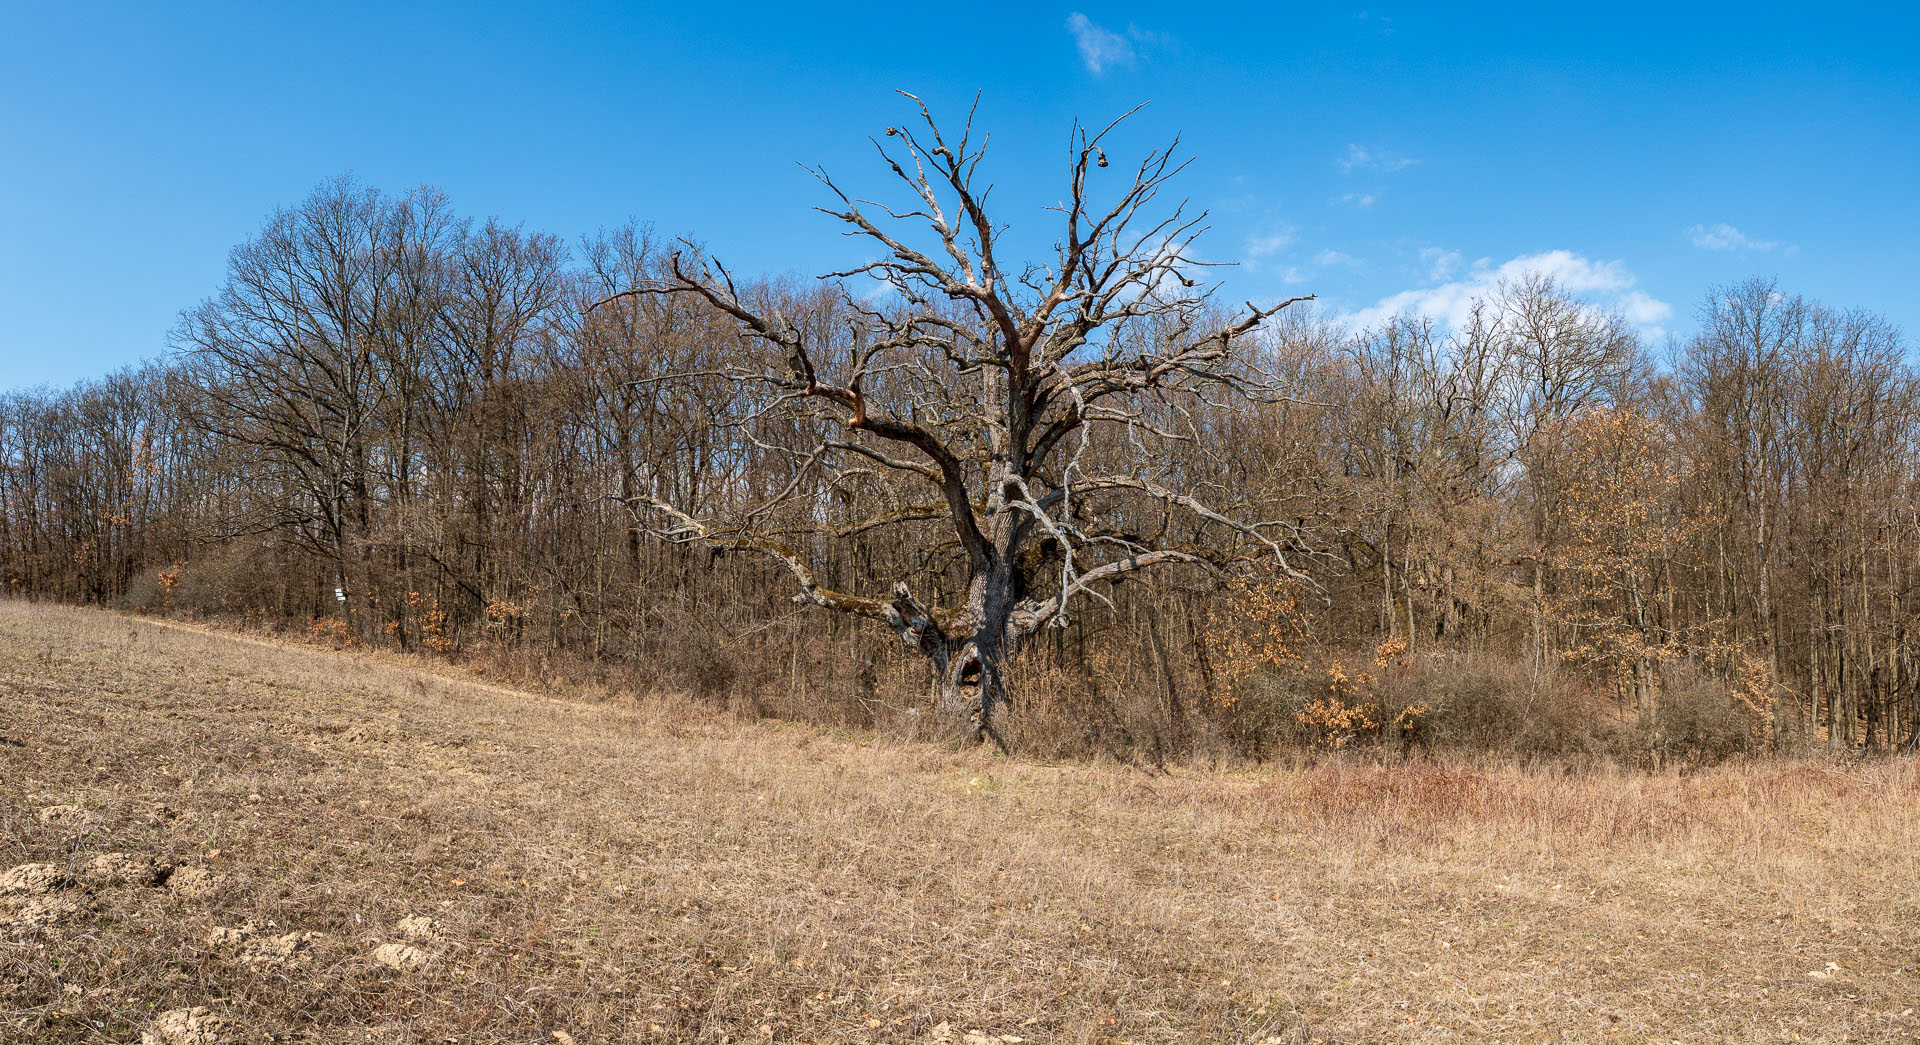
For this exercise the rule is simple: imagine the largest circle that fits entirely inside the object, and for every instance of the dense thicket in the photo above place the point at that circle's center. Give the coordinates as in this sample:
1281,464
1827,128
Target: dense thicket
395,426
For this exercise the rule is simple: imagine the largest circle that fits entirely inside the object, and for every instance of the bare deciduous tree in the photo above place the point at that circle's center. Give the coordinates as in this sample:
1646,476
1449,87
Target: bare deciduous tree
985,395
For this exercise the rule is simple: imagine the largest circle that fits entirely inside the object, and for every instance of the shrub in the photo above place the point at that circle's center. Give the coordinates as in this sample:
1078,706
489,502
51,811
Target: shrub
1700,720
1486,703
144,593
224,580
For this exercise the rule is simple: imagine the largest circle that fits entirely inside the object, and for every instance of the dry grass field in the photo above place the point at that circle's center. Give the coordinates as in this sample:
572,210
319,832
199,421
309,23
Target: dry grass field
298,845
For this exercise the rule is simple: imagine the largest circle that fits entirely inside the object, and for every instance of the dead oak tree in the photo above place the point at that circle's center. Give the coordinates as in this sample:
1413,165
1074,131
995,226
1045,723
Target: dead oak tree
1011,405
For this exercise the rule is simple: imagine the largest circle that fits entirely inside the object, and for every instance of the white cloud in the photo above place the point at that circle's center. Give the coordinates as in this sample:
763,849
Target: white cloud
1725,237
1269,244
1362,200
1100,49
1328,258
1607,284
1644,310
1441,264
1359,157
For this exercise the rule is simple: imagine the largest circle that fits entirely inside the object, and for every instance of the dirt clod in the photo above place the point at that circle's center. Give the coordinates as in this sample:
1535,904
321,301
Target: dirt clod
402,957
253,948
279,950
420,928
194,882
127,869
225,939
33,879
196,1026
36,912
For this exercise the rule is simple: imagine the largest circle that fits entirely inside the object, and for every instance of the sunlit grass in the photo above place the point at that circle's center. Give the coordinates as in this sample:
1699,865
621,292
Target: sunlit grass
626,869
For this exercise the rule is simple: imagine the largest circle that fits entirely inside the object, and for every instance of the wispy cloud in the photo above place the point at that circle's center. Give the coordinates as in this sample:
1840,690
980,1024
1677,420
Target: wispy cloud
1362,158
1441,263
1725,237
1607,284
1385,23
1330,258
1268,244
1362,200
1100,48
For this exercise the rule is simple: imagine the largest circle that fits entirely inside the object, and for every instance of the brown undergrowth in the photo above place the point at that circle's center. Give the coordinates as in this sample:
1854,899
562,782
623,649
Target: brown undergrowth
237,841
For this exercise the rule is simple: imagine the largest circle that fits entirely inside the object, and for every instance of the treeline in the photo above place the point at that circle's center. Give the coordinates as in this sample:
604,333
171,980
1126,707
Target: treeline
395,426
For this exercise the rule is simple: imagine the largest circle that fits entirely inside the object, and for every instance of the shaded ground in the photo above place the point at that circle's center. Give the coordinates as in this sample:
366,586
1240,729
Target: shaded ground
247,842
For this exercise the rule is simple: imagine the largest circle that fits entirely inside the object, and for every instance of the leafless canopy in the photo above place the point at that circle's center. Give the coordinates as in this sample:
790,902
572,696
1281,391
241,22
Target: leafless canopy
1015,403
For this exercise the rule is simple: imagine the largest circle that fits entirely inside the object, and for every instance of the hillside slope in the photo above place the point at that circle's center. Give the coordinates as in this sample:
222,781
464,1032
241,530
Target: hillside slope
323,847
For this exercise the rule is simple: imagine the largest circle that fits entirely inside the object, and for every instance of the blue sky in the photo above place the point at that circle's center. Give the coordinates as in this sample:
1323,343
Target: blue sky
1383,156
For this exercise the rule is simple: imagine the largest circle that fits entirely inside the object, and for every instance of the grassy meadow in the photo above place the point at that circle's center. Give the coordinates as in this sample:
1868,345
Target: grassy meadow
213,838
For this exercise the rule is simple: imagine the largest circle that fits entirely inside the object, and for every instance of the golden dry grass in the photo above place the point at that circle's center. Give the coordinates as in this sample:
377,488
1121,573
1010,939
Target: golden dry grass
623,870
